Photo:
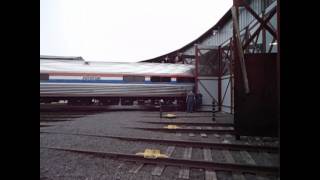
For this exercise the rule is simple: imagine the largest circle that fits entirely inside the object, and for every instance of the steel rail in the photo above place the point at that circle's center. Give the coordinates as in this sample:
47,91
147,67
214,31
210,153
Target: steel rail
185,116
190,123
257,169
184,130
212,145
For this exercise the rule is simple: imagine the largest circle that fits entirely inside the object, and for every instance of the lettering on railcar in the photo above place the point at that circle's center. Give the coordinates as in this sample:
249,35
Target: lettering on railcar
91,78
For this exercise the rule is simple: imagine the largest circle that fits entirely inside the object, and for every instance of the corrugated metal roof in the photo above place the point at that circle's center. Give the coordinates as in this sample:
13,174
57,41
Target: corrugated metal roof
221,22
223,26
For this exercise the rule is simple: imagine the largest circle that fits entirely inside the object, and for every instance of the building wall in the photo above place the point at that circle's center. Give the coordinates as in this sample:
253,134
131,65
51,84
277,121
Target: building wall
211,84
223,35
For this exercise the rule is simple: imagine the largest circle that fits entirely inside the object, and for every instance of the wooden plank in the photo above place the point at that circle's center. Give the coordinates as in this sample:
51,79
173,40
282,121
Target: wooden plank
117,174
267,159
184,172
157,171
170,150
198,127
207,154
136,168
178,134
237,176
187,153
210,175
203,135
247,157
191,134
228,156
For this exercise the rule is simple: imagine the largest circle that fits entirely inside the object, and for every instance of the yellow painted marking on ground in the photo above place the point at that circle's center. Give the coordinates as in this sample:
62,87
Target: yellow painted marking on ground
203,135
152,154
171,127
170,116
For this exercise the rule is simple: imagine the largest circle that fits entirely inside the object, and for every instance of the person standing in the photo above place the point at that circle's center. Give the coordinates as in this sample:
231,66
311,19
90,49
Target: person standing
190,101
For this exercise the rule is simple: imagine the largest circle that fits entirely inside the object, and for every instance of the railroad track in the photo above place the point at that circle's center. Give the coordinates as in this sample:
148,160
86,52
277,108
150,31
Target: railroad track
190,123
184,163
209,162
215,145
188,130
52,117
187,116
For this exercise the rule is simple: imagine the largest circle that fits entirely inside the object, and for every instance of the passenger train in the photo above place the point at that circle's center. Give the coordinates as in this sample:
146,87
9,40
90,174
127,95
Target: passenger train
111,83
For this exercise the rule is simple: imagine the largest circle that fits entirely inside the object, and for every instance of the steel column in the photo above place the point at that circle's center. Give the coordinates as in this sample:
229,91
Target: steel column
278,61
196,70
231,76
264,38
219,80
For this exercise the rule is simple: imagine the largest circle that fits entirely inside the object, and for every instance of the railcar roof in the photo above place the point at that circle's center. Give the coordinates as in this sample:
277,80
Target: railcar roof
44,57
49,65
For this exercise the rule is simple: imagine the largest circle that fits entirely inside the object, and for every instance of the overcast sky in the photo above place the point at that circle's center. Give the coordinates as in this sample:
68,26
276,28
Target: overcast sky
124,30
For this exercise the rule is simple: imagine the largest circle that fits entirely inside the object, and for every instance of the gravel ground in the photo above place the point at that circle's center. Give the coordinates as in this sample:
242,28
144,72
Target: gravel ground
249,176
197,154
197,174
223,175
115,123
178,152
67,165
96,143
237,157
217,156
145,173
261,159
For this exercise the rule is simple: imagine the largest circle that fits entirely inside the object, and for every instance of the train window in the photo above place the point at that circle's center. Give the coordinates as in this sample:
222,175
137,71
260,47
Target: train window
185,80
165,79
160,79
133,78
44,77
155,79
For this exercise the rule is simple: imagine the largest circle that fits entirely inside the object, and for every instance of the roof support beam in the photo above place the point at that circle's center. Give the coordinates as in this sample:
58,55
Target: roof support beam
239,50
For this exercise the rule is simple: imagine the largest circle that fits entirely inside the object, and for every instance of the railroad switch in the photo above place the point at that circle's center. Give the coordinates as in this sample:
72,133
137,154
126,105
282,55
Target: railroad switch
171,127
152,154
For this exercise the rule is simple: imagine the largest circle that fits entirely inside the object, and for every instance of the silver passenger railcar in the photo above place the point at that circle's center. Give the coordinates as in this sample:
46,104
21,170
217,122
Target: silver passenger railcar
110,83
